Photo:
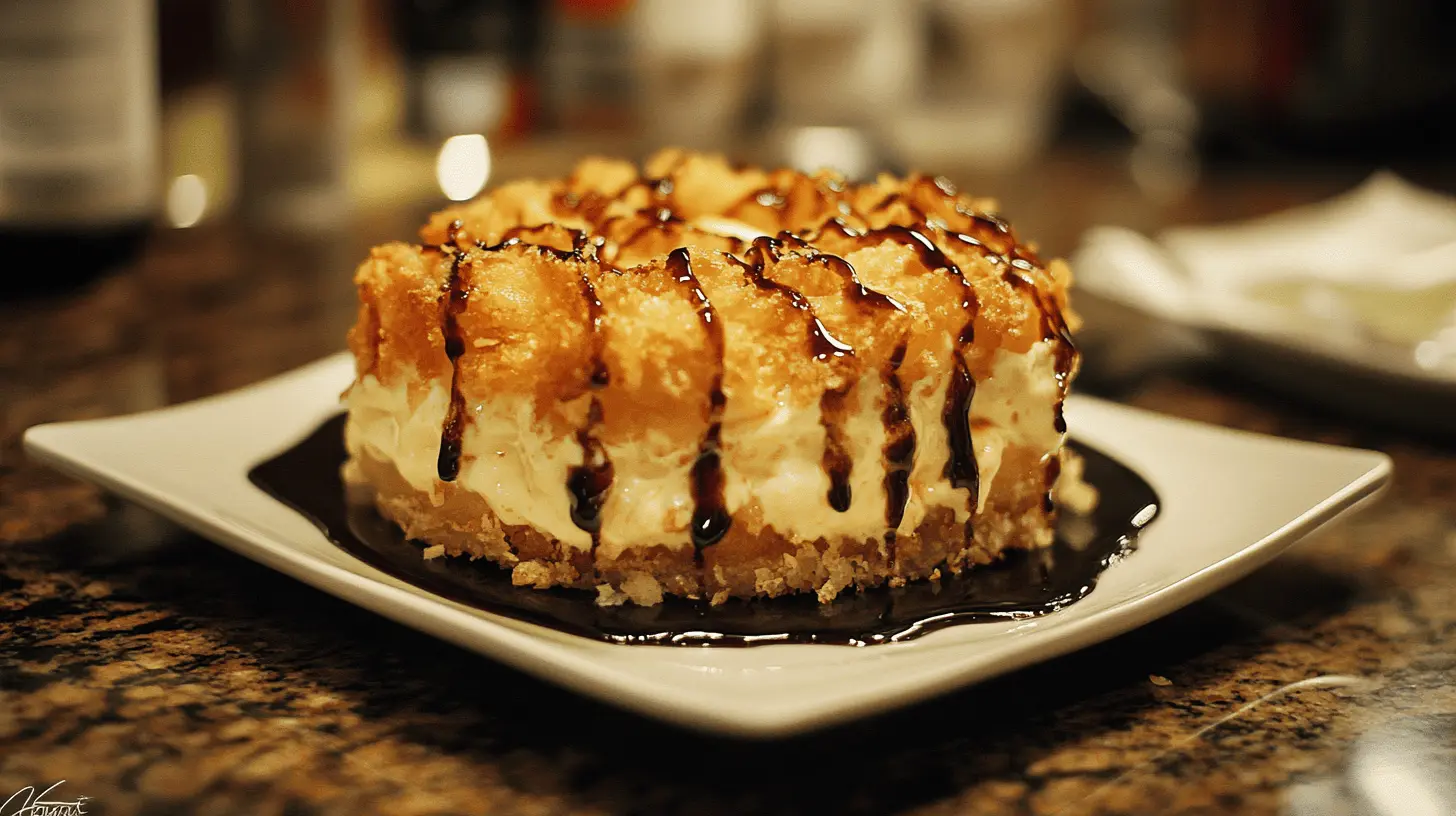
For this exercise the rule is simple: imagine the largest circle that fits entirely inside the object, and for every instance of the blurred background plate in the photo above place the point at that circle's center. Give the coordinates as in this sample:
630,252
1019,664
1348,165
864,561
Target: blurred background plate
1349,301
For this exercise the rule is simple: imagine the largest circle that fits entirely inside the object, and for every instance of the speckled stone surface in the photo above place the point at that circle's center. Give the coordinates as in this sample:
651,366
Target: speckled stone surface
157,673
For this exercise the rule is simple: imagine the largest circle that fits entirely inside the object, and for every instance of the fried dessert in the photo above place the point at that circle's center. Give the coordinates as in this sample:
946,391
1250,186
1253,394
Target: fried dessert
713,381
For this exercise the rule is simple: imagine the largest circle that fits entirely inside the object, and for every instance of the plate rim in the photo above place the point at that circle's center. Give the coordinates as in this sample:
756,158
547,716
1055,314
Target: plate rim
515,644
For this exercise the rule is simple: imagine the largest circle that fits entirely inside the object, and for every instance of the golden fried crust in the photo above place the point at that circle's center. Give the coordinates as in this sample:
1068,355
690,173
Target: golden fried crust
657,357
526,314
399,335
509,291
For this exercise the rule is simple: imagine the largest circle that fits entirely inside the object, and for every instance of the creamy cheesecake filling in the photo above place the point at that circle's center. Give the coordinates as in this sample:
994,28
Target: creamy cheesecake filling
520,472
775,461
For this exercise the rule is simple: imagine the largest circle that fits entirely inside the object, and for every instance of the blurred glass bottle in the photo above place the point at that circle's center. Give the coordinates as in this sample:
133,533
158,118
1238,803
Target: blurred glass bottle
989,86
468,66
78,135
587,68
841,72
695,69
294,68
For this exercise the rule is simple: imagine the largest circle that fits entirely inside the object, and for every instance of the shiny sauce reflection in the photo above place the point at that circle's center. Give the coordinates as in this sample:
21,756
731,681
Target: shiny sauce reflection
306,477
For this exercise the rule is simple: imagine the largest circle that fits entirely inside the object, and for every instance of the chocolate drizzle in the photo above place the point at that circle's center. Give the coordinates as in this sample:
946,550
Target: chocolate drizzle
900,440
710,513
931,257
516,237
662,219
960,469
899,447
590,482
856,291
998,243
838,464
1054,329
763,252
456,297
823,346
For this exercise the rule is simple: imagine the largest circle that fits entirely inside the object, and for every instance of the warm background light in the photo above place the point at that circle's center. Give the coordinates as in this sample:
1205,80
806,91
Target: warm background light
811,149
186,201
463,166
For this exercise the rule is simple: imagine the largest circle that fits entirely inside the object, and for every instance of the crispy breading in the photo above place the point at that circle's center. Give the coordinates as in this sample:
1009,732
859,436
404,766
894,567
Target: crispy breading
599,298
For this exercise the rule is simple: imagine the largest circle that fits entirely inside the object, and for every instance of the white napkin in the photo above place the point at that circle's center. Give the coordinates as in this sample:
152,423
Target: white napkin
1371,270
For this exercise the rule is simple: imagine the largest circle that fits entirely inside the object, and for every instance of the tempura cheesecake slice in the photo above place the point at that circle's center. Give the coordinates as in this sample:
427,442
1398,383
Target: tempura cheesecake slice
713,381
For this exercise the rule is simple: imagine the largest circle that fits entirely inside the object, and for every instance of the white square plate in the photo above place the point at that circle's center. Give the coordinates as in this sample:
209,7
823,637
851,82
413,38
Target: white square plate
1230,502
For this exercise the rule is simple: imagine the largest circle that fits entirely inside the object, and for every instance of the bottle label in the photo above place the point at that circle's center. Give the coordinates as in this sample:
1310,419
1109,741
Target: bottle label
78,112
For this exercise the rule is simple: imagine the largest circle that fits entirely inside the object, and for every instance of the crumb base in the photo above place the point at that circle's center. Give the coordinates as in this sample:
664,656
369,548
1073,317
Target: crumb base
456,522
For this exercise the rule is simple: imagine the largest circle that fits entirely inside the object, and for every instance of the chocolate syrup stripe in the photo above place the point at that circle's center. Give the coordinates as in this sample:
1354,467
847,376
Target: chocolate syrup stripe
590,482
710,512
899,450
1054,328
960,468
837,462
1016,272
931,257
854,289
833,403
457,295
761,254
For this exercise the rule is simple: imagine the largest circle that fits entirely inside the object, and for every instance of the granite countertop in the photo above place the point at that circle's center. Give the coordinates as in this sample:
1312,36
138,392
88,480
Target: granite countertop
157,673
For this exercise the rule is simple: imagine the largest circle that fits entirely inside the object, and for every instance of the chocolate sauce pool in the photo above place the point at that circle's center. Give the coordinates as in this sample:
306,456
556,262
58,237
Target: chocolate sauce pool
306,478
